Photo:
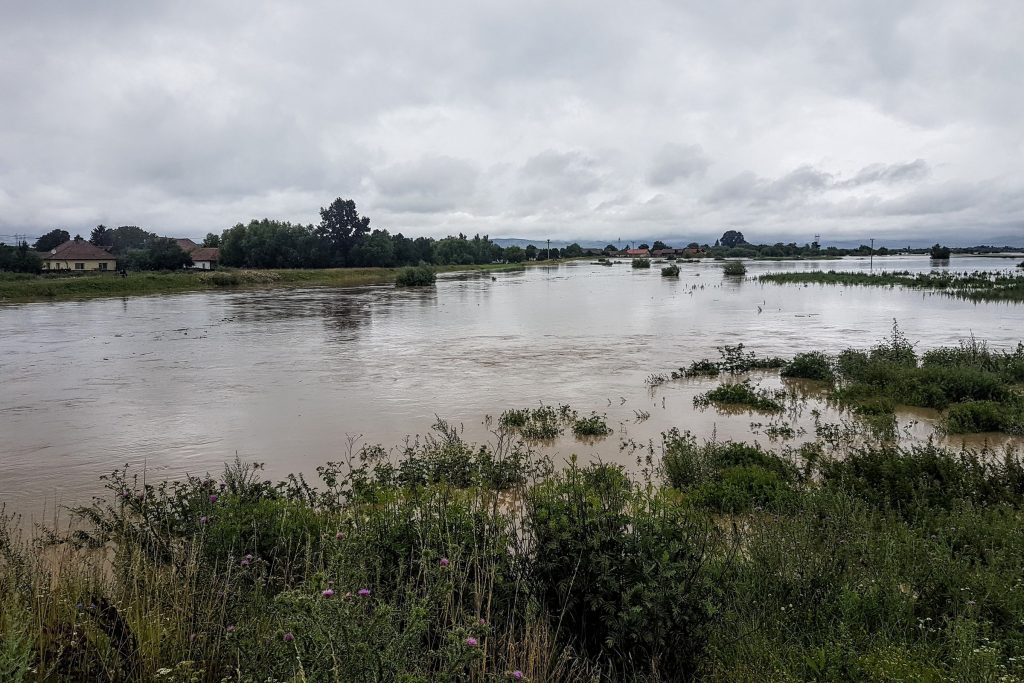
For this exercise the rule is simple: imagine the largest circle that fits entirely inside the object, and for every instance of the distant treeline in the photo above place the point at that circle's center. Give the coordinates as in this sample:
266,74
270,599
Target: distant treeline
343,238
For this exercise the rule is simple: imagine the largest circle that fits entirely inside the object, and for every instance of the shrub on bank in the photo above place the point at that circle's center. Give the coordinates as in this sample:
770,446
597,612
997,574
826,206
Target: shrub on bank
811,365
415,276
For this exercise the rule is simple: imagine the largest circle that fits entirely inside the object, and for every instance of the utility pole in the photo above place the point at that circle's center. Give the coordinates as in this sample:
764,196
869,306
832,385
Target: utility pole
872,259
549,250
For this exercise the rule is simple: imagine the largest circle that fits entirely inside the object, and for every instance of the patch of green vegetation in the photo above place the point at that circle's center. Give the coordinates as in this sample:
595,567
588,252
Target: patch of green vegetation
976,286
734,268
416,276
670,271
641,263
445,560
733,360
742,394
593,425
811,365
534,424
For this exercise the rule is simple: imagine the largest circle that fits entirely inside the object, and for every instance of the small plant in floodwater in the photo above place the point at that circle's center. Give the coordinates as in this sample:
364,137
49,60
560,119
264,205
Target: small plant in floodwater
811,365
592,425
670,271
742,394
641,263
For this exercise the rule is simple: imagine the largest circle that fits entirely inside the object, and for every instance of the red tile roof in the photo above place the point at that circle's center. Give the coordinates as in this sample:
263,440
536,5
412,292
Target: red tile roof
205,254
77,250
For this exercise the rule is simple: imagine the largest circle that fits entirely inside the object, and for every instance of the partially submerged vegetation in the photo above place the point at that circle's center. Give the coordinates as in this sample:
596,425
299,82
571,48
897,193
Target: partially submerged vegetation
641,263
545,423
416,276
670,271
975,286
734,268
742,395
444,560
733,359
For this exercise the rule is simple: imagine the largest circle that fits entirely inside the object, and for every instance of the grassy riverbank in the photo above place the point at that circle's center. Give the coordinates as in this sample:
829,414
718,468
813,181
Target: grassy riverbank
976,286
449,561
25,288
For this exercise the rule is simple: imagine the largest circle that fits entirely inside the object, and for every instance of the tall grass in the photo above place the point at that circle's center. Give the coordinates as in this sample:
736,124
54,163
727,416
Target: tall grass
444,560
975,286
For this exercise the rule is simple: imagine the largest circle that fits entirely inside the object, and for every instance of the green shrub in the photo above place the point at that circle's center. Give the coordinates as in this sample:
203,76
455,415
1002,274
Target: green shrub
812,365
734,268
416,276
621,570
592,425
641,263
534,424
742,394
738,489
670,271
224,278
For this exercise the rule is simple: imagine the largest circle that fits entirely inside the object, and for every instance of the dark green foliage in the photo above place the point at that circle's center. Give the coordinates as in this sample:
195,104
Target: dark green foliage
939,252
742,394
971,417
51,239
734,268
622,571
811,365
416,276
160,253
592,425
20,259
732,238
641,263
734,359
537,424
670,271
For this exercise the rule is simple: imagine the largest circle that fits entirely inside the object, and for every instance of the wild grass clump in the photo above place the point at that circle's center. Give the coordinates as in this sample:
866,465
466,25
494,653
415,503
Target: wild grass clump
742,394
811,365
641,263
974,286
734,268
416,276
670,271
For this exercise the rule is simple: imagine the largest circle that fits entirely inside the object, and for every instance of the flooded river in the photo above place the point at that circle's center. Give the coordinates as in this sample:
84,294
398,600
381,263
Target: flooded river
181,383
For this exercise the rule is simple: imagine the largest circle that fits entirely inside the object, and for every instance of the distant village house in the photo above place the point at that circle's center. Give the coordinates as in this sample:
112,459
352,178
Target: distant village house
78,255
203,258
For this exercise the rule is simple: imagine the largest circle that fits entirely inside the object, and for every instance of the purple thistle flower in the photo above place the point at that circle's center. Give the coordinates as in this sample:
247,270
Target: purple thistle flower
483,622
213,497
517,674
472,642
364,592
339,536
444,562
328,593
288,637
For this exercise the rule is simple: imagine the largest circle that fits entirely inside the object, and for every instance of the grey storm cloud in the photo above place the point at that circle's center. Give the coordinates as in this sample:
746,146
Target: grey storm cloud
560,119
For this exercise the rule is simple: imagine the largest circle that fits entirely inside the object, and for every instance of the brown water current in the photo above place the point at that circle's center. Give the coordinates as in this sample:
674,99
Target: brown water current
181,383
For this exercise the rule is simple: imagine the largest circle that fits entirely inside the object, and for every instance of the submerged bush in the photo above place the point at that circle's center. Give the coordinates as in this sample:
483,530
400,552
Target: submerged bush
742,394
734,268
812,365
670,271
592,425
416,276
641,263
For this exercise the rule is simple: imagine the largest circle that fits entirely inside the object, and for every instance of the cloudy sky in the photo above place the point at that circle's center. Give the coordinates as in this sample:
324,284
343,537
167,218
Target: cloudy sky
535,118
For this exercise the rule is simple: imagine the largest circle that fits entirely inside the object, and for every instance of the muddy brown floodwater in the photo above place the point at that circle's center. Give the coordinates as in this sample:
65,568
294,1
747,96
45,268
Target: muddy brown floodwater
181,383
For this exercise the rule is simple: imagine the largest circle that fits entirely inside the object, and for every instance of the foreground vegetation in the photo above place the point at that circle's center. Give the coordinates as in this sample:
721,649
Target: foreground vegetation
447,561
976,286
24,287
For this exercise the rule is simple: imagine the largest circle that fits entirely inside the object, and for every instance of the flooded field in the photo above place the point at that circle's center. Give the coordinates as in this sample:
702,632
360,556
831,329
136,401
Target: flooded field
290,377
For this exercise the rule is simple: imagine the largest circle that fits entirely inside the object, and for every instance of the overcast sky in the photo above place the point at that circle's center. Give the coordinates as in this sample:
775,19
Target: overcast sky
867,118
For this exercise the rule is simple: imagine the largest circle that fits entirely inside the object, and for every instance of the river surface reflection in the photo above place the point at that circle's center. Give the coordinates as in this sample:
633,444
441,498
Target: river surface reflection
181,383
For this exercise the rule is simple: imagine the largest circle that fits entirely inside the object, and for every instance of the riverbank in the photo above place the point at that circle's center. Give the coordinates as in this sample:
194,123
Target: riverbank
975,286
447,560
16,288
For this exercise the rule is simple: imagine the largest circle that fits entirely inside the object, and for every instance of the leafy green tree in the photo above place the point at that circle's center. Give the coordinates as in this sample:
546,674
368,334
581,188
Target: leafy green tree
101,236
52,239
732,238
515,255
643,246
610,249
530,252
939,252
341,227
211,240
377,250
161,253
20,259
127,237
658,244
572,251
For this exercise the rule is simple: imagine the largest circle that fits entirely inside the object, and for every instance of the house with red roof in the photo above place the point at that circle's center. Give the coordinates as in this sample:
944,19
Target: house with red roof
80,255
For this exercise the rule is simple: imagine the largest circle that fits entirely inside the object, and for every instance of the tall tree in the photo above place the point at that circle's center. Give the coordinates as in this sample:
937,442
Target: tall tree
732,238
212,240
51,240
101,236
342,227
